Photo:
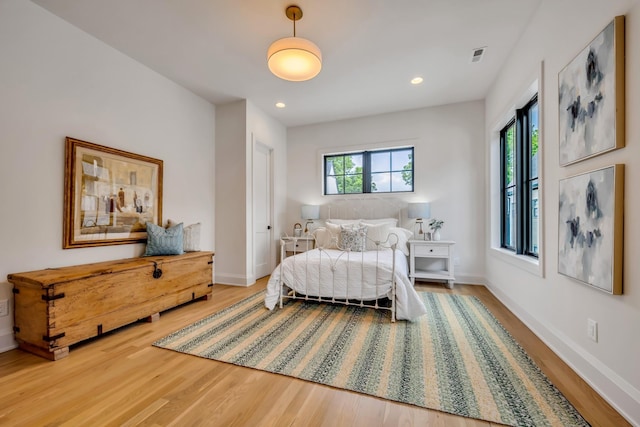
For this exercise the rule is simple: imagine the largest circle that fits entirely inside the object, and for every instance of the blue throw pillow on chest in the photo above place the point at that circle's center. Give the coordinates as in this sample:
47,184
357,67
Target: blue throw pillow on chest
163,241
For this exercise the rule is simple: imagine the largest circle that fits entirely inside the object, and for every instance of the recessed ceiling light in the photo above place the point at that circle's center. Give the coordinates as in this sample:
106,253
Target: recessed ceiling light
416,80
280,104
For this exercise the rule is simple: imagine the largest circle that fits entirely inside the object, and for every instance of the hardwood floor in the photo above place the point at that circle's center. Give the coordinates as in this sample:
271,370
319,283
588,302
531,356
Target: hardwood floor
119,379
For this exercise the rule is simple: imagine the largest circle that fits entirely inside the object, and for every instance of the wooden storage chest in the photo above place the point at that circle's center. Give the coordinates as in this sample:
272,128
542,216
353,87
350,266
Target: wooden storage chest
58,307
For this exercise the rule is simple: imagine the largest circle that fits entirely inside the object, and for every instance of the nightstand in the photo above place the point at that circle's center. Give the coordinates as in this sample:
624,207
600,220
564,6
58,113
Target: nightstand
430,259
296,245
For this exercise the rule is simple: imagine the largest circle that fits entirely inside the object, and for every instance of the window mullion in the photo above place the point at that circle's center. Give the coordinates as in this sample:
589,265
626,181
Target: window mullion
530,178
506,226
521,189
526,173
366,172
503,208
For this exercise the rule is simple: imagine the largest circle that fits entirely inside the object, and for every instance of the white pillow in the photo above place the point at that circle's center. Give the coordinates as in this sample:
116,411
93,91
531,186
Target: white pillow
190,236
376,233
355,222
403,238
321,235
327,237
391,221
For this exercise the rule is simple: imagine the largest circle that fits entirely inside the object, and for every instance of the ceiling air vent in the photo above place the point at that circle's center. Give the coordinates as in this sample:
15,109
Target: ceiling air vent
478,54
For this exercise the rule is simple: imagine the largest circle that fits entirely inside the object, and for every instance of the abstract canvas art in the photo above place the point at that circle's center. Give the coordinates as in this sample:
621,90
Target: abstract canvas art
591,97
590,228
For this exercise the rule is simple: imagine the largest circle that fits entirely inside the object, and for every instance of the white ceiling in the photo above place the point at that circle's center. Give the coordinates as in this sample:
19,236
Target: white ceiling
371,49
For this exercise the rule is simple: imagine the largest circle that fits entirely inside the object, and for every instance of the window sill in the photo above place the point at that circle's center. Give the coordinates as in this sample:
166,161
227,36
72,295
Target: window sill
527,263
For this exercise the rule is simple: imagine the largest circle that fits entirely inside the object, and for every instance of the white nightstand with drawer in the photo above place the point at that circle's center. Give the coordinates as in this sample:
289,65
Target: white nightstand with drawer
296,245
430,259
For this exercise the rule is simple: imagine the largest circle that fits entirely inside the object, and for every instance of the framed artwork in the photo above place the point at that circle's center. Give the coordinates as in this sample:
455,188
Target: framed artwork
591,97
590,228
109,195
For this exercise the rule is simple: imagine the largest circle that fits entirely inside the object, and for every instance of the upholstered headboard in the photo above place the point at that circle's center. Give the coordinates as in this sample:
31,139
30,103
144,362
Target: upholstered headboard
369,207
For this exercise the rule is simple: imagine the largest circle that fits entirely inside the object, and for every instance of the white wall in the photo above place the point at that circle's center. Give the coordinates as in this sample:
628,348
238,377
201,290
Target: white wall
239,126
264,129
57,81
231,184
554,306
449,170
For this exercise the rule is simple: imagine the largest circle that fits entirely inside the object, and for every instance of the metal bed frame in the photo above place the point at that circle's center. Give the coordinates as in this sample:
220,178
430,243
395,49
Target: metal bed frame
351,257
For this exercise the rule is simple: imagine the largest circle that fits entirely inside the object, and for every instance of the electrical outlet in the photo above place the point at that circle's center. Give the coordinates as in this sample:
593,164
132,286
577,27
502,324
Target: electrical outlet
592,329
4,307
456,261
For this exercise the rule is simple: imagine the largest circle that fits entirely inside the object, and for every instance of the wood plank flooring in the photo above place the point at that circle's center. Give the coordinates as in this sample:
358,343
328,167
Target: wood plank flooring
119,379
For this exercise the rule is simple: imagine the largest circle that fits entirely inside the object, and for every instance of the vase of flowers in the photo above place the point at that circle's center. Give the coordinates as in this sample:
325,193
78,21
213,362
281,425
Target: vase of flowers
435,225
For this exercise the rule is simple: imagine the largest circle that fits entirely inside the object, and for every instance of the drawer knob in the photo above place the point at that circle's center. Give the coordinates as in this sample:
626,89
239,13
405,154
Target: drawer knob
430,250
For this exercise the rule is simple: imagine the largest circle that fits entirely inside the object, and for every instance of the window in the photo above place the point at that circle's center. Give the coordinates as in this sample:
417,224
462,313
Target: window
380,171
519,181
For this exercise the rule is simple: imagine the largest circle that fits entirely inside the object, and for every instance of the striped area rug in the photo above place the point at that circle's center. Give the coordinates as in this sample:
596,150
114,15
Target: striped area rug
457,358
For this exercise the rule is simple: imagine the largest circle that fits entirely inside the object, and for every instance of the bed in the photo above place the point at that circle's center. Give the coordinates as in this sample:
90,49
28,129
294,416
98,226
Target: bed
353,263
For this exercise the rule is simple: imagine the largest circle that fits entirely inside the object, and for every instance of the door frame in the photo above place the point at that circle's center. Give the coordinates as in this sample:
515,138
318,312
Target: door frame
256,144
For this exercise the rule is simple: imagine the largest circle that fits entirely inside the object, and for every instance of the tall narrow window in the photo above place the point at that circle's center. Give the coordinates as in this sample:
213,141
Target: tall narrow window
532,237
381,171
509,205
519,181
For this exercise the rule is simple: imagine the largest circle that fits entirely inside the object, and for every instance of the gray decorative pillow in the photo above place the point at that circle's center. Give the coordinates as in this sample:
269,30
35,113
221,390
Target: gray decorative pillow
161,241
353,238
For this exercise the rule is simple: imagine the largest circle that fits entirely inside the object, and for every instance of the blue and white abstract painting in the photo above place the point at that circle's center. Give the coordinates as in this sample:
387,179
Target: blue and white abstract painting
587,99
587,215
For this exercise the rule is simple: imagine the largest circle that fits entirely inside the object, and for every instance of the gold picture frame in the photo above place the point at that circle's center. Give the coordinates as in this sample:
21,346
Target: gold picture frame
109,195
591,97
590,228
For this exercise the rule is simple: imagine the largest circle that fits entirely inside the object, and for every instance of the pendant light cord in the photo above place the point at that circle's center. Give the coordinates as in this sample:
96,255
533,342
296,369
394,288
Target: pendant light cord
294,24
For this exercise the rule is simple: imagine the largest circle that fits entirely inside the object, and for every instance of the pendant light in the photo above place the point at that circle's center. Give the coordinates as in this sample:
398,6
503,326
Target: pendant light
294,58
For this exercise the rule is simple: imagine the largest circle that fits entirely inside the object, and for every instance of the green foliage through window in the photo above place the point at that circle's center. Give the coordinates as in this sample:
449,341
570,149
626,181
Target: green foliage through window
519,186
347,172
380,171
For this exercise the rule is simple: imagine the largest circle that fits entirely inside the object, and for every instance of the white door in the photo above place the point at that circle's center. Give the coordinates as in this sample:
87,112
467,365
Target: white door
262,206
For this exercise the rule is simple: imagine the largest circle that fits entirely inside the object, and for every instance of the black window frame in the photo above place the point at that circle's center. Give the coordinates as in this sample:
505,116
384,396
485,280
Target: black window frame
366,170
523,186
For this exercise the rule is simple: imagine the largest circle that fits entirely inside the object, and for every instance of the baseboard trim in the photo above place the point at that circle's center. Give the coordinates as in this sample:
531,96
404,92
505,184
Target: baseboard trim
6,340
233,279
467,279
610,386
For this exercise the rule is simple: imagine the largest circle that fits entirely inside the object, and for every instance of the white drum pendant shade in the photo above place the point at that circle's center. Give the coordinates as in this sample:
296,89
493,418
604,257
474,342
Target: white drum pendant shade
294,59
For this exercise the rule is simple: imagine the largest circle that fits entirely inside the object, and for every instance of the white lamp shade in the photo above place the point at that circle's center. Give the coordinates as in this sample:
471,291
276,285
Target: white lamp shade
419,210
310,212
294,59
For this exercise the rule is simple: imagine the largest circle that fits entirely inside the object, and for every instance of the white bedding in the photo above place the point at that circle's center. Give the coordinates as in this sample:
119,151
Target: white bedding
340,275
